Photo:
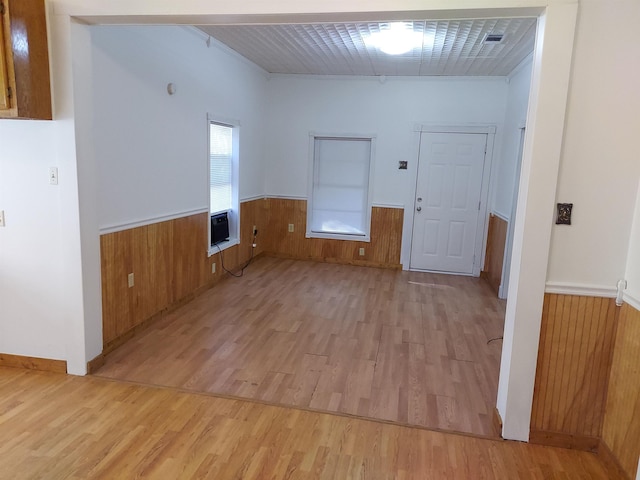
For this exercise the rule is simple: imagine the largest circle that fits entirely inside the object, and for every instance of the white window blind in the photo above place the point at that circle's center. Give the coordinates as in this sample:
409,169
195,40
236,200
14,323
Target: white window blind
340,196
220,166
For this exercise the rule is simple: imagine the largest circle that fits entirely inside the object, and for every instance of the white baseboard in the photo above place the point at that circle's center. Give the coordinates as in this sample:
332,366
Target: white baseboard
631,300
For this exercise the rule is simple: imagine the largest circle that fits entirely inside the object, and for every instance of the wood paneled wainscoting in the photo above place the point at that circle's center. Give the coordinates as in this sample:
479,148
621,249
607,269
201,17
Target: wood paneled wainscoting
621,432
170,264
382,251
494,256
574,360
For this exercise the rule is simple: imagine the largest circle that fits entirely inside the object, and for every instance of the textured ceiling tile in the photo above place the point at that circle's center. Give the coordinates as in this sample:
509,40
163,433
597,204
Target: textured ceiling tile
340,49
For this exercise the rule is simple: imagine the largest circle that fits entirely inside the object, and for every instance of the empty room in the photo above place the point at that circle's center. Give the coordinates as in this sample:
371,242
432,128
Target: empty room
407,347
300,244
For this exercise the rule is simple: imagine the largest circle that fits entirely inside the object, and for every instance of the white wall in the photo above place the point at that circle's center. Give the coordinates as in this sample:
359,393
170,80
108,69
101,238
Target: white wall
633,260
514,120
151,147
32,295
42,277
299,105
600,164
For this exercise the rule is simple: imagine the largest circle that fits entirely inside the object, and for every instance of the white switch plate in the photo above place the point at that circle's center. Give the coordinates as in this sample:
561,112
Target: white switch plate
361,252
53,175
291,227
213,268
130,280
1,218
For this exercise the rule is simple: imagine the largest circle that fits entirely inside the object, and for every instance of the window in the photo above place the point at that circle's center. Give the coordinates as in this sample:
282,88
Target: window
223,177
340,203
220,166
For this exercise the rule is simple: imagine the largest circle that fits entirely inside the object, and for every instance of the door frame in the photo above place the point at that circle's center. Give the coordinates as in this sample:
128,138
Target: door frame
483,219
546,117
503,291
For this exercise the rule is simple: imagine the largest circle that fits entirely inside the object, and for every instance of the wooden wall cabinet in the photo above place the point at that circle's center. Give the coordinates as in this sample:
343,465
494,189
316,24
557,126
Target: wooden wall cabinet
25,89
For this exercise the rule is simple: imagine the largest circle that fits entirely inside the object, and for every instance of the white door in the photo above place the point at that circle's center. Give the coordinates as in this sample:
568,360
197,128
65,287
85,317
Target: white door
447,206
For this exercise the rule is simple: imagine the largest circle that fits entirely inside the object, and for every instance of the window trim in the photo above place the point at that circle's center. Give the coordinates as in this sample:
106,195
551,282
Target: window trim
234,213
311,170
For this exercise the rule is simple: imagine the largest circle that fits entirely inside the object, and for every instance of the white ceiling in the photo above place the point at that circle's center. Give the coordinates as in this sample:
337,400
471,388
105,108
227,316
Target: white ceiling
340,49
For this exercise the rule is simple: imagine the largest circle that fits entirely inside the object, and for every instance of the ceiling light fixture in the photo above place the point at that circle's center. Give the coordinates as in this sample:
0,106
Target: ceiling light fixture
396,39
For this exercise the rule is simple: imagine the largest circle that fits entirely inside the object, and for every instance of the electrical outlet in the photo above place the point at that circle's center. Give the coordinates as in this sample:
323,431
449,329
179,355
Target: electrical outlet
213,268
290,227
361,252
1,218
130,280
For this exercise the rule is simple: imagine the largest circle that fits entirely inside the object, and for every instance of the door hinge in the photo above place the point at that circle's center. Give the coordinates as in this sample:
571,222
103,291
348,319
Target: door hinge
479,203
9,92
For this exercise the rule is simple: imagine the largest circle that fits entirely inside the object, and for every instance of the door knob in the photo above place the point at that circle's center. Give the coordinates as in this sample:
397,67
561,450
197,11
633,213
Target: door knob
419,209
419,199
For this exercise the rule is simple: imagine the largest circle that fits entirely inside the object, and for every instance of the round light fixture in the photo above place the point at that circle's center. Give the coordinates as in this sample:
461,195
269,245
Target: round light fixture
397,39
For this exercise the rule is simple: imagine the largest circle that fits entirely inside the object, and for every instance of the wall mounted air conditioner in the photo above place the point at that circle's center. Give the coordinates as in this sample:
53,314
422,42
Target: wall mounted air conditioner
219,228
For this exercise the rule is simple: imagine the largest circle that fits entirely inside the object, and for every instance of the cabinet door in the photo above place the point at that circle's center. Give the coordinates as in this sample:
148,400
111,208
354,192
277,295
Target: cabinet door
5,103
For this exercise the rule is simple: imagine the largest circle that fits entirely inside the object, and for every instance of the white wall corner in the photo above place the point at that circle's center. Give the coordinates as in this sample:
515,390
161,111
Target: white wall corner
87,178
81,339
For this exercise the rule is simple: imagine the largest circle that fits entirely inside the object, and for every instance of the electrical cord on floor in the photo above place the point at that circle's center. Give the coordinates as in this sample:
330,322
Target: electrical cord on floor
493,339
253,246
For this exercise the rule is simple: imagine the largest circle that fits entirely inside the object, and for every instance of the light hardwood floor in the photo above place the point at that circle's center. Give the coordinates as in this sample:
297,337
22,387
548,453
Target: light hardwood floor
399,346
54,426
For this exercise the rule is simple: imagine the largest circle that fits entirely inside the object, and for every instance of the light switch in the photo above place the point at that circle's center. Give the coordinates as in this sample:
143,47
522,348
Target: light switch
1,218
53,175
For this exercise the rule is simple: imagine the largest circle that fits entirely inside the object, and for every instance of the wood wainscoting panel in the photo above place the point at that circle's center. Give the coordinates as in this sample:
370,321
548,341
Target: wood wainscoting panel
574,360
252,213
189,254
382,251
152,263
494,256
621,432
116,264
170,264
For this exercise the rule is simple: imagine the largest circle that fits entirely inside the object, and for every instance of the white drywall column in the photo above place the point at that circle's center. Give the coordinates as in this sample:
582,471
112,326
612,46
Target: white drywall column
79,263
632,275
87,191
542,149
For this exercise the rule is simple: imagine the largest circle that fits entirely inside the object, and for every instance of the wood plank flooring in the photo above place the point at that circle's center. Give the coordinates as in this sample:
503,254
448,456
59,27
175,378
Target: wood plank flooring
54,426
405,347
